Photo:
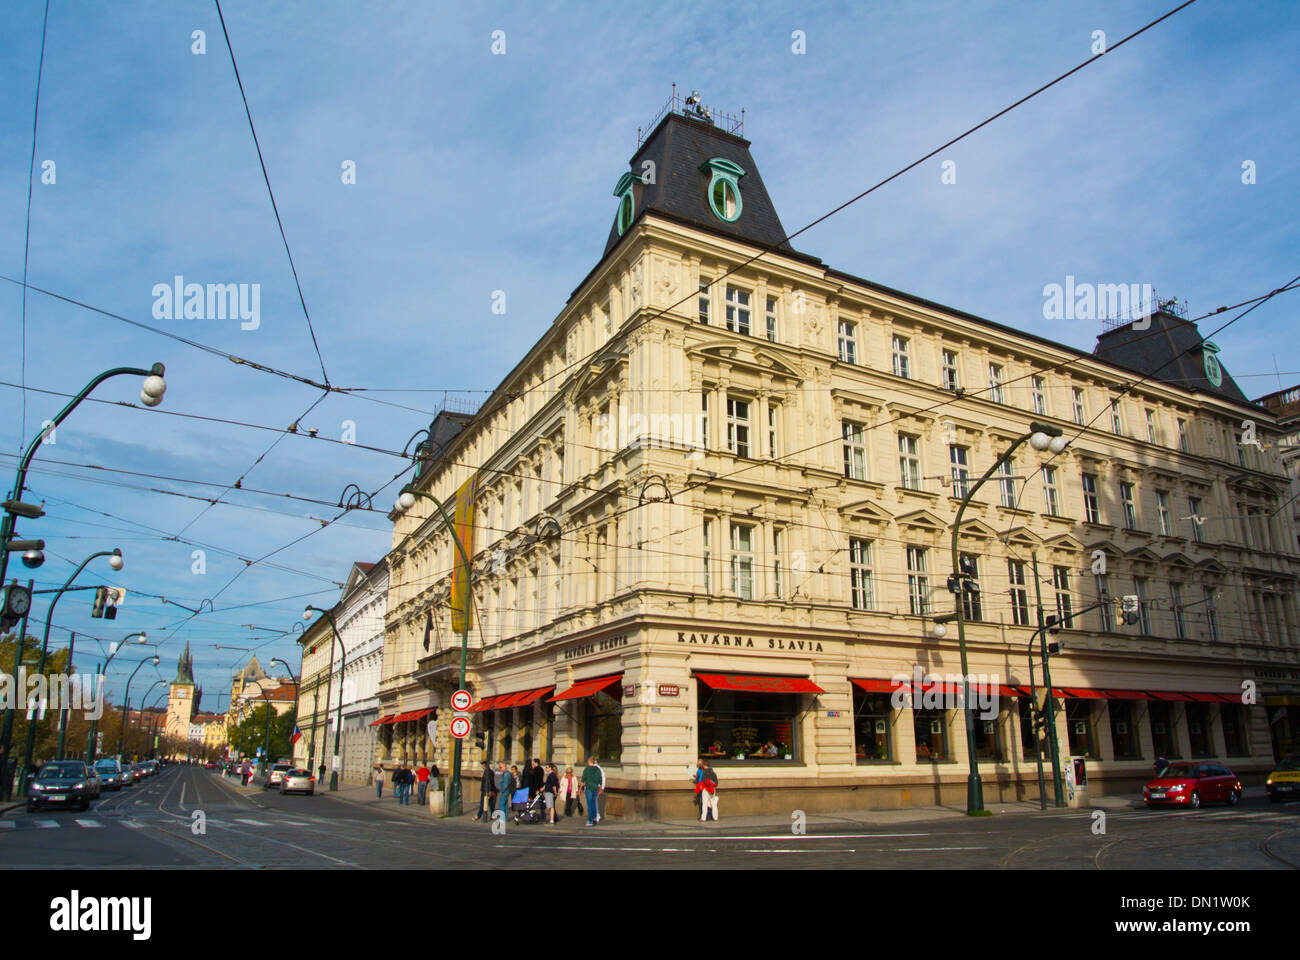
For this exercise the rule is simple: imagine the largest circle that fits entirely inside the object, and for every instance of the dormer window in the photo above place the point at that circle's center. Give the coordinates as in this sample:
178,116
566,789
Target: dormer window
724,188
626,202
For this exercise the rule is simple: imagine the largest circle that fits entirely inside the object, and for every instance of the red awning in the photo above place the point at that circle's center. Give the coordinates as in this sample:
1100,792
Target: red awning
889,686
420,714
520,698
585,688
1129,695
1205,697
748,684
1081,693
390,719
533,696
1170,695
387,719
1006,691
876,686
487,703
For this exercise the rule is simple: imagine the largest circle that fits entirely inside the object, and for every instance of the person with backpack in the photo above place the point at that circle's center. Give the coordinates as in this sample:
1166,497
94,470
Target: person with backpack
706,785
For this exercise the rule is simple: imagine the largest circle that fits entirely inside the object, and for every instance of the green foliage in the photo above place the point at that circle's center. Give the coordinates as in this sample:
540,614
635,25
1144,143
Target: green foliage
251,735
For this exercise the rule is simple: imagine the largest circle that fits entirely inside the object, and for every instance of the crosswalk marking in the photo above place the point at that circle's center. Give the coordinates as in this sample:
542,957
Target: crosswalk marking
45,824
89,823
7,824
134,825
251,823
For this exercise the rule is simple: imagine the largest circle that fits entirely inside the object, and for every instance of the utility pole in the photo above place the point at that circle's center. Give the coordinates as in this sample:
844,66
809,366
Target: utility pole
1057,786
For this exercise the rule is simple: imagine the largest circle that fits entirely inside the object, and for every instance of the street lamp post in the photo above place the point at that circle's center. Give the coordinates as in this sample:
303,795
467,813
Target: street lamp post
151,395
116,563
99,689
126,701
156,684
1041,437
404,503
296,688
329,690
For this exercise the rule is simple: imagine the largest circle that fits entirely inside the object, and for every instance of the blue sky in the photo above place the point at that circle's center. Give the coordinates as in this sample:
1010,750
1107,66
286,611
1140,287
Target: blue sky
477,173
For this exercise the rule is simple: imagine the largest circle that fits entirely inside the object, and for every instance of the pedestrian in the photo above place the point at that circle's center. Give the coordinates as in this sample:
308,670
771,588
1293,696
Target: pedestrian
379,781
550,790
569,792
602,784
488,787
536,777
422,778
505,787
593,784
399,783
1160,765
516,781
707,788
321,779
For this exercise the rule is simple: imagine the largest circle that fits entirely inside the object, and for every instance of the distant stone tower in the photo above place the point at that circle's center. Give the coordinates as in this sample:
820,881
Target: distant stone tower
181,699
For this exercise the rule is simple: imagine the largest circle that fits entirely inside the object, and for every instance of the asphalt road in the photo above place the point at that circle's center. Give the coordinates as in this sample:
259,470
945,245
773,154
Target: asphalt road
155,824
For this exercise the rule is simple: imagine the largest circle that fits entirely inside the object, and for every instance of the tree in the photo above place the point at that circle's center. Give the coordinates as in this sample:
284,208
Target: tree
251,735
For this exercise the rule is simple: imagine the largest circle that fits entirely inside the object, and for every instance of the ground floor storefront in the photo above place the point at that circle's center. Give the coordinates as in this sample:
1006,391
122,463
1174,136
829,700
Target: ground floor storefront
820,723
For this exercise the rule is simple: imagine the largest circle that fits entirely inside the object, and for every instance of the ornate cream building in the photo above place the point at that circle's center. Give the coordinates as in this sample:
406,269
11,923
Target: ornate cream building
715,502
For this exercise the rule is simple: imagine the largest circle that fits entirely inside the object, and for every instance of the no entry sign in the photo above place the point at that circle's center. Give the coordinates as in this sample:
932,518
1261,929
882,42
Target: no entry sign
461,700
460,727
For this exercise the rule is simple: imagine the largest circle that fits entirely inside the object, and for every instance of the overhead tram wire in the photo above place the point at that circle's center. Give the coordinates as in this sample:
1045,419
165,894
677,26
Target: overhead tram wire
271,193
27,229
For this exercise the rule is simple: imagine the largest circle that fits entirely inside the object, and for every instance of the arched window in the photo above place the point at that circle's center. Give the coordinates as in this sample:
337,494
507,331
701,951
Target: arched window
626,202
724,189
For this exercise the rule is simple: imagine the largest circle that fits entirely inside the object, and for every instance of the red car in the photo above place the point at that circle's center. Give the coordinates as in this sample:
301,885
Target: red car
1192,784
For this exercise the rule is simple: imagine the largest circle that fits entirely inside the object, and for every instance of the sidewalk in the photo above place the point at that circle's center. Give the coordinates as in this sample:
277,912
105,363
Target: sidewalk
364,796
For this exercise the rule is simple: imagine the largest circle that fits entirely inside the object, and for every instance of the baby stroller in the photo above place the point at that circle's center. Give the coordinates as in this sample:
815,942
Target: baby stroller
527,811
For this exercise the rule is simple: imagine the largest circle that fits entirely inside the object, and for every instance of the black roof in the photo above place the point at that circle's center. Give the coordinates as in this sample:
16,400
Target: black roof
1168,350
679,147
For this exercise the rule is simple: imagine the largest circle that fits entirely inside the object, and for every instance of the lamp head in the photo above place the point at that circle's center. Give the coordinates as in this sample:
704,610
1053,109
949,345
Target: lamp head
1058,444
938,631
306,613
406,501
33,559
1039,441
151,392
115,561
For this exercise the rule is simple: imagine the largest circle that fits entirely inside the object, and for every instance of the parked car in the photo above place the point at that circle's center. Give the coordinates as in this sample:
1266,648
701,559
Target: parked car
62,783
210,765
297,780
1191,784
1284,782
277,774
109,772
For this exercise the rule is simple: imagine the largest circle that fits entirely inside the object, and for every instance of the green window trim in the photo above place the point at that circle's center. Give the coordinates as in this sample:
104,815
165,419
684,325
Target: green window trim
724,180
1213,371
626,202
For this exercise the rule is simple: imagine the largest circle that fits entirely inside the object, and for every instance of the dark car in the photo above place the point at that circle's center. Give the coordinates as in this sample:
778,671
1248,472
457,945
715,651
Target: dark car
1191,784
109,772
62,783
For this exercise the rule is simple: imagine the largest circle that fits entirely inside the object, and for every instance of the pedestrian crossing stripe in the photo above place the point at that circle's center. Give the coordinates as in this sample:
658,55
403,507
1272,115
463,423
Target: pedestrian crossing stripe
7,824
45,824
89,823
251,823
133,824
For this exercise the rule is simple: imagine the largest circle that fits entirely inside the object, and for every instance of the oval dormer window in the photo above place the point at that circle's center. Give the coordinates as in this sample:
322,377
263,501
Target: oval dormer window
724,189
626,202
1213,372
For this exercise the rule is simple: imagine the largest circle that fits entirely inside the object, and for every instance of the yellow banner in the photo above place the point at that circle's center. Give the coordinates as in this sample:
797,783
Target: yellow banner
462,610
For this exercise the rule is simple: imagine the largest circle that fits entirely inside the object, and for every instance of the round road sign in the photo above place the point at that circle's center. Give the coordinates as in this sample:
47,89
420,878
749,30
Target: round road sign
461,700
460,727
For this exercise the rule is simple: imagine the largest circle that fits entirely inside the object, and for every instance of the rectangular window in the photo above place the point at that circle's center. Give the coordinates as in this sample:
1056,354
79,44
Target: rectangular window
778,586
855,450
602,727
773,450
751,727
704,420
1007,483
1064,605
931,728
1234,730
872,725
1051,498
1123,735
771,319
738,427
1032,743
704,301
1182,437
1019,595
909,461
918,580
1080,415
1038,391
972,607
1130,505
1091,506
1116,423
951,379
862,584
848,342
1211,614
957,457
737,310
1151,426
708,561
1078,723
1162,730
742,561
986,733
1162,512
1106,612
1176,607
995,383
1144,609
1195,518
902,362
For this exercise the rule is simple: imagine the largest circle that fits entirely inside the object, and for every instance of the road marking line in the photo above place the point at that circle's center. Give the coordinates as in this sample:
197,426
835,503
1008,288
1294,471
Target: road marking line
931,849
7,824
46,824
251,823
89,823
133,824
295,823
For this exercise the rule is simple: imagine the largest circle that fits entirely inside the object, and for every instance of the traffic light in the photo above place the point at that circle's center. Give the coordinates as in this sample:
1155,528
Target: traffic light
114,596
480,741
1129,606
101,597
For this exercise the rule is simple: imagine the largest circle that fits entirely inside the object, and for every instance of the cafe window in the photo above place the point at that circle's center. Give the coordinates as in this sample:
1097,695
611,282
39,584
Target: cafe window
986,729
872,726
507,731
1028,733
1235,743
1162,730
738,725
602,728
931,734
1198,730
1123,735
525,731
1078,722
